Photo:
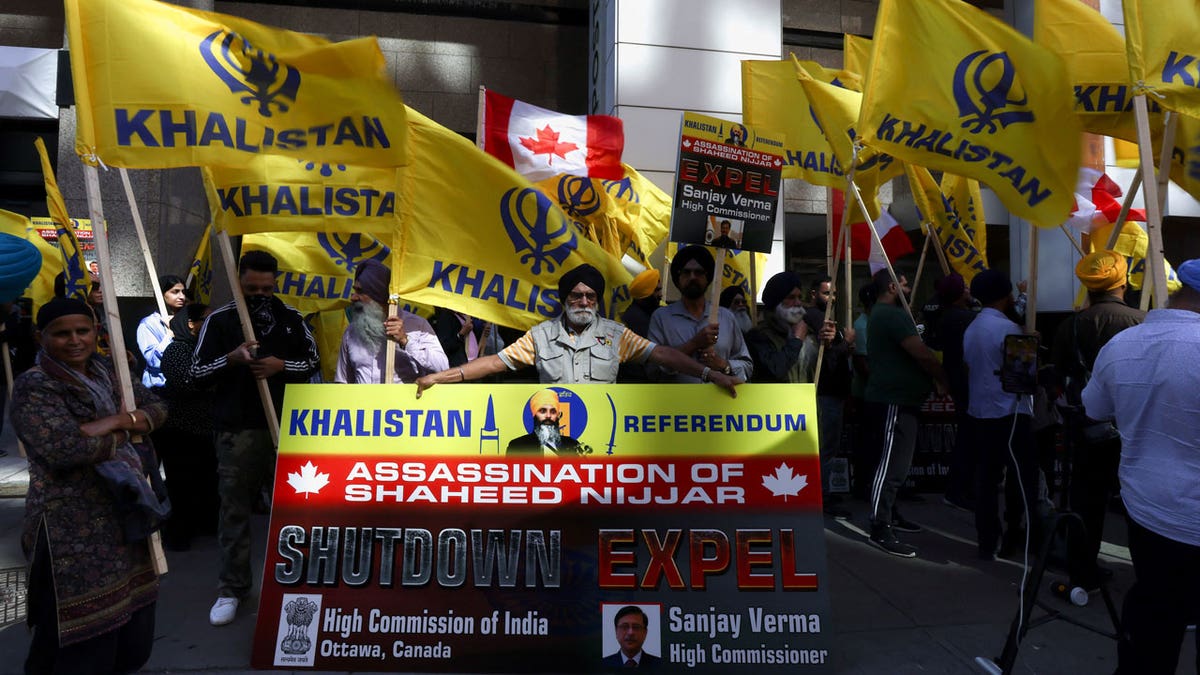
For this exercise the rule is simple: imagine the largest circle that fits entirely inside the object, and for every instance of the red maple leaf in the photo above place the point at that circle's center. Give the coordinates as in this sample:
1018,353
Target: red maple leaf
547,143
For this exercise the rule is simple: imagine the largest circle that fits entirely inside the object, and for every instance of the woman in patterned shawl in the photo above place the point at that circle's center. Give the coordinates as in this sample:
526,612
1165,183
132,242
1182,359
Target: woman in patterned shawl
91,595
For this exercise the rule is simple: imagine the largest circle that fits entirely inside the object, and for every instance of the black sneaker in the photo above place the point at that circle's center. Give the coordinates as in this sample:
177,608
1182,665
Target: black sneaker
902,524
884,538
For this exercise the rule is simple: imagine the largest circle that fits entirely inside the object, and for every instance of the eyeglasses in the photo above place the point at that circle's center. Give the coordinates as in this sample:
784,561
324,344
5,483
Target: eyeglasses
575,298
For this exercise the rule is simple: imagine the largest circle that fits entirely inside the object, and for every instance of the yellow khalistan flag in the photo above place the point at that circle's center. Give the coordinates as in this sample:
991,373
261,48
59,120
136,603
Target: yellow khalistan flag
280,194
200,272
952,88
158,85
316,271
41,290
478,238
955,211
1094,54
1162,39
836,110
772,98
77,280
631,215
856,56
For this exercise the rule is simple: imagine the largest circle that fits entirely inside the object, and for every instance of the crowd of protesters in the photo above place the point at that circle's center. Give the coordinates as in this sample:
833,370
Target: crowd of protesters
200,381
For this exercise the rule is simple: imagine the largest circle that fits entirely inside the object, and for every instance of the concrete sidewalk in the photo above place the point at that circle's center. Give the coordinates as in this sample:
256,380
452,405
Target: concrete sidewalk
934,614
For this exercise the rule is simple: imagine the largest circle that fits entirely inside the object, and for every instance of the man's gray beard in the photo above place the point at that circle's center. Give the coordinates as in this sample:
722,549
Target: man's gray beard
742,317
582,317
790,316
548,434
366,322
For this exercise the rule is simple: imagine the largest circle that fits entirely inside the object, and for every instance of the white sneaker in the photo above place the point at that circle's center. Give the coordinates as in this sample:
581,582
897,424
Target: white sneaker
223,611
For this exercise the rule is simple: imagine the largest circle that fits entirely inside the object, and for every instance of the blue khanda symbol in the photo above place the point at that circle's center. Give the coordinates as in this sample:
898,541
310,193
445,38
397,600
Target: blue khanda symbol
538,231
621,189
251,71
348,250
578,196
985,87
324,168
73,283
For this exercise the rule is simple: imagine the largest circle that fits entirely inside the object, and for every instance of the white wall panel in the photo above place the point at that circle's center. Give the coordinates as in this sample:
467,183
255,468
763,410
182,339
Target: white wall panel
751,26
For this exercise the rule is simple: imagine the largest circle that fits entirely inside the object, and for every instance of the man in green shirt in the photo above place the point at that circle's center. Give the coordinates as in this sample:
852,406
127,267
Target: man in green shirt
902,372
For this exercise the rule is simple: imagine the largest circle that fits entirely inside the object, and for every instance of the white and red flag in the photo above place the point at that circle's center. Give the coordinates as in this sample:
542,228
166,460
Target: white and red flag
1096,202
541,144
895,240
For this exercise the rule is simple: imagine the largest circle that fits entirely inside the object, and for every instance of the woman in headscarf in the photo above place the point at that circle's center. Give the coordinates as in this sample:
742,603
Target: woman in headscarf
154,332
91,595
185,442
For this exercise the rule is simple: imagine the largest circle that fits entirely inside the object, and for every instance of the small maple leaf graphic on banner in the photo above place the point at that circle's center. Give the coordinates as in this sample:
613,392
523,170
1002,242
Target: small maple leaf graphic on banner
784,482
547,143
308,480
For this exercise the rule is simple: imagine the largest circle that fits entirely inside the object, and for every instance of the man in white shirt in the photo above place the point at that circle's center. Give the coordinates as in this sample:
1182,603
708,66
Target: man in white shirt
1000,421
1145,380
362,356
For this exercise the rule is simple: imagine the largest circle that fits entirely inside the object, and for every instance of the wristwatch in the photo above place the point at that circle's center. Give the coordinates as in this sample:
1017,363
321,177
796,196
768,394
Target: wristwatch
728,370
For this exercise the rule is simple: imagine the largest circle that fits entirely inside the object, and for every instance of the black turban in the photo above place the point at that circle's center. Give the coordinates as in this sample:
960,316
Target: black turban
990,285
60,307
779,287
583,274
688,253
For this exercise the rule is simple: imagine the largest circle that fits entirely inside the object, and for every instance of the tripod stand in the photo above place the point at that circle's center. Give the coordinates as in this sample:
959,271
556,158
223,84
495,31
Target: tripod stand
1023,621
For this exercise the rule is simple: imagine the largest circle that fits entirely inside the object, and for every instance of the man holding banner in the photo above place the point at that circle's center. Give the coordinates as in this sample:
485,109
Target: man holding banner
283,352
579,346
371,332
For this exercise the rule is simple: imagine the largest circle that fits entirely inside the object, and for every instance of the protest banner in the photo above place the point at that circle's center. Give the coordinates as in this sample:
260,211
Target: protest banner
425,535
727,185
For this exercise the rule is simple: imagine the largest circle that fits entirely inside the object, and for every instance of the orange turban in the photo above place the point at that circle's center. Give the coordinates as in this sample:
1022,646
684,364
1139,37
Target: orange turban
1102,270
643,285
543,397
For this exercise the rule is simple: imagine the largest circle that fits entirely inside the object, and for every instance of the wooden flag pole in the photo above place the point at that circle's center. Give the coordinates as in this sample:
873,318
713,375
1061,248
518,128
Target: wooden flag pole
833,263
116,338
937,248
1071,238
1164,173
481,112
1134,186
752,301
389,356
879,242
714,293
848,261
239,300
141,235
829,247
921,261
1154,252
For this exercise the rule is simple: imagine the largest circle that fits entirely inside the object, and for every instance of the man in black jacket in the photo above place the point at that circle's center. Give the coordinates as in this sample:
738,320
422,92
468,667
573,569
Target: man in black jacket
283,352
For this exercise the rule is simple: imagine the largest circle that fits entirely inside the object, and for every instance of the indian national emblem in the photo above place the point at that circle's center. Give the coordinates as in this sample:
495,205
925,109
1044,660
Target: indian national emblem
577,196
538,231
348,250
985,89
300,613
250,71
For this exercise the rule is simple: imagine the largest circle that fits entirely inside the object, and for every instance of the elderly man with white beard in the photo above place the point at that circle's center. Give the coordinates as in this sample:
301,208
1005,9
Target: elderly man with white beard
362,356
579,346
783,349
547,438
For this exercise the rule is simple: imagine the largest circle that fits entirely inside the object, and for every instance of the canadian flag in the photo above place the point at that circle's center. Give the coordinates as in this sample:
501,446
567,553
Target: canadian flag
862,245
541,144
1096,202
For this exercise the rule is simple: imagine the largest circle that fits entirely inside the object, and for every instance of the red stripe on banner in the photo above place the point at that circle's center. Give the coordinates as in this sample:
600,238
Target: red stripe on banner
454,483
497,110
605,143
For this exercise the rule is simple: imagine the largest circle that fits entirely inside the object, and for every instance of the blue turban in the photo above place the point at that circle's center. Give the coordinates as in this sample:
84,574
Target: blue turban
20,262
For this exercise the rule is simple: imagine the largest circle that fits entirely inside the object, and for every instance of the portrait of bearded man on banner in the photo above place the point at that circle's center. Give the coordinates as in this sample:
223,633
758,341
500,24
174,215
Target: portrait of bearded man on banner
547,438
